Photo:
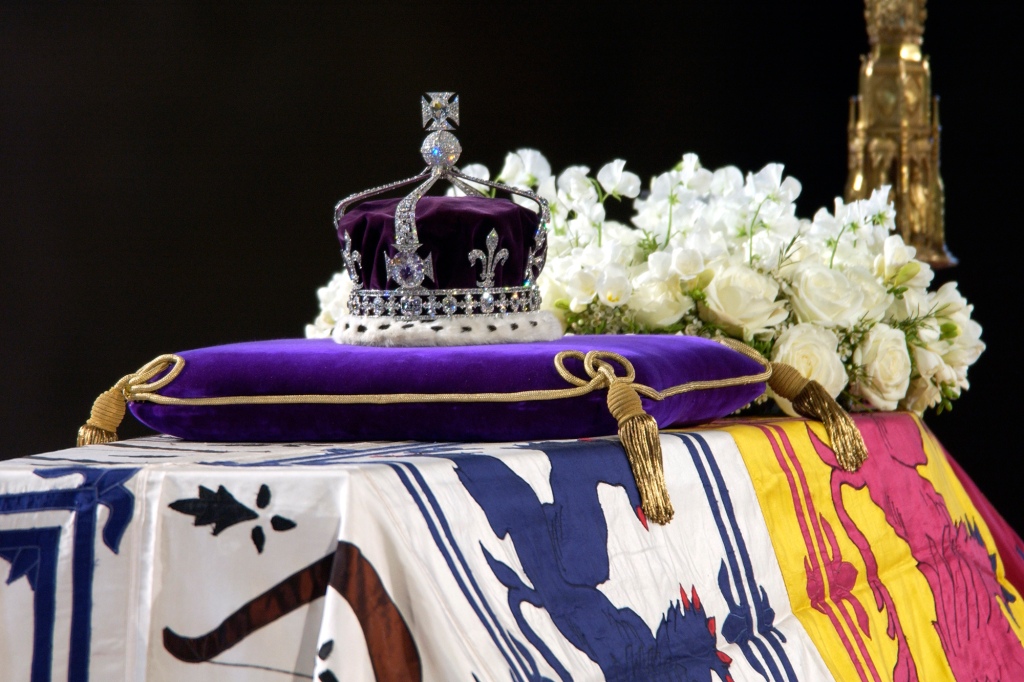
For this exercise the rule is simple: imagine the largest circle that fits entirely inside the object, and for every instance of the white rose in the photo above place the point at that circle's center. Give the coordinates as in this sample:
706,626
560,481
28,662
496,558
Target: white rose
333,299
658,302
743,301
883,355
321,328
552,286
876,299
813,351
825,295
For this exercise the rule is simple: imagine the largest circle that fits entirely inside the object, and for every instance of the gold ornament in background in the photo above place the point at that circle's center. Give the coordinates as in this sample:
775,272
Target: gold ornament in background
894,128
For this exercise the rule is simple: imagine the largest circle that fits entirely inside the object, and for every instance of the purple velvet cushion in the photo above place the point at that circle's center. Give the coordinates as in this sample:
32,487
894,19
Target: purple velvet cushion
448,229
323,367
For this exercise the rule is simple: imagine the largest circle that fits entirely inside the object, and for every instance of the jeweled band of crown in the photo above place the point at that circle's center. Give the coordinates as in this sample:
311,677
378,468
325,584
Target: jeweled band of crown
431,304
411,300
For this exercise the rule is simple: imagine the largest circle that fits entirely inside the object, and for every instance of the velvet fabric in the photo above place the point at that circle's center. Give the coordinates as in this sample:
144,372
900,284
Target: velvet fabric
323,367
448,229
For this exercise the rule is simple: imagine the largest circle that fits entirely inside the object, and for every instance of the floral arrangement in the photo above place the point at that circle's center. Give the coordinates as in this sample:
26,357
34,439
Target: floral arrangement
840,296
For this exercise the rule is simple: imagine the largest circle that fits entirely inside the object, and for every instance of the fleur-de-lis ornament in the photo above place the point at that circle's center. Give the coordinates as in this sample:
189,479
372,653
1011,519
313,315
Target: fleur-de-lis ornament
489,262
353,262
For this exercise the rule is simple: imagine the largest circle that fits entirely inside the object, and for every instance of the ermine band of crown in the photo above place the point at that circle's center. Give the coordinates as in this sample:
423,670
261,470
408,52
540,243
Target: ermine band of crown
411,300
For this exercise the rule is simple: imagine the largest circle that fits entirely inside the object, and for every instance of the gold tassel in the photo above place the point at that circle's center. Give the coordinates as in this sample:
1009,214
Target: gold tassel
638,432
109,408
810,399
107,413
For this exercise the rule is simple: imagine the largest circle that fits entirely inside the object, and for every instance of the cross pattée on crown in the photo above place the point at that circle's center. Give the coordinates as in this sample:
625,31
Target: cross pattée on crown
441,107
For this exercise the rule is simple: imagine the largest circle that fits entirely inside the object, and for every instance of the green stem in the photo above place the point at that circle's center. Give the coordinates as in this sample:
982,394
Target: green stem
753,222
839,236
671,203
786,252
601,196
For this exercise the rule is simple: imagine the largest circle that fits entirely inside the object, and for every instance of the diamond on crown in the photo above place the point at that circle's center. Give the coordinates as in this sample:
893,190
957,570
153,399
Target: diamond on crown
441,107
408,270
490,261
417,305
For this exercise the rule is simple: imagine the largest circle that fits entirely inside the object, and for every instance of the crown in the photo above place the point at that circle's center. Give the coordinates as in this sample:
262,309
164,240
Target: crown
443,270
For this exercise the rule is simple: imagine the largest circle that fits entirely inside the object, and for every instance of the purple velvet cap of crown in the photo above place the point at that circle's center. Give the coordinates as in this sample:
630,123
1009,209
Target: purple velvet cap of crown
323,367
448,229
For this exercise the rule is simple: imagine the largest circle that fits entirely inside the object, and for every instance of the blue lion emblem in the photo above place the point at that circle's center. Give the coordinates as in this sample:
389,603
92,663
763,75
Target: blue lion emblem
563,549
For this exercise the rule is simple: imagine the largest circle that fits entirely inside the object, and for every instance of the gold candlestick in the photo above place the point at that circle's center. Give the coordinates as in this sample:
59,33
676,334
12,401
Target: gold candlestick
894,128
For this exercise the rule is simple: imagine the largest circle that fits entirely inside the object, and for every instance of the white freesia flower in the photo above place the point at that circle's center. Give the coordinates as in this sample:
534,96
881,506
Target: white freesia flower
886,364
948,304
812,351
921,395
935,381
617,181
896,264
743,302
613,286
840,296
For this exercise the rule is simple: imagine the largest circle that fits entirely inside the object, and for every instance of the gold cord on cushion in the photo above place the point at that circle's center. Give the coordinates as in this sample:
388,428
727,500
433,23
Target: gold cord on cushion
810,399
108,409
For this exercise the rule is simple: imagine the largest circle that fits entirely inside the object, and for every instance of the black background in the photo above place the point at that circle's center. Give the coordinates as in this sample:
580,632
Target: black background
168,170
